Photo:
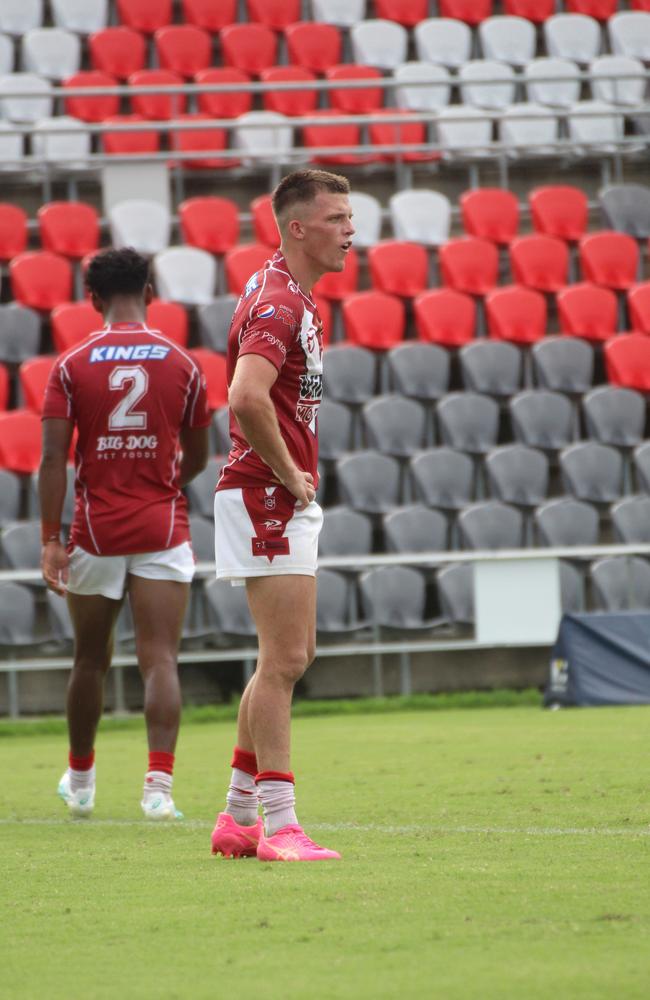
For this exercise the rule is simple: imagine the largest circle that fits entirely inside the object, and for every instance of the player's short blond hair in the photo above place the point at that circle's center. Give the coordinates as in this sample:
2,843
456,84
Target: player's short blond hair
303,186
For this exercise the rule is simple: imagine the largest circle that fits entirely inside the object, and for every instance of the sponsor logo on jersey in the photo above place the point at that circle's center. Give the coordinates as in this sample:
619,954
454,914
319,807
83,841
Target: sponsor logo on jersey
129,352
292,286
269,503
252,283
284,314
272,525
272,339
311,393
270,547
266,312
134,442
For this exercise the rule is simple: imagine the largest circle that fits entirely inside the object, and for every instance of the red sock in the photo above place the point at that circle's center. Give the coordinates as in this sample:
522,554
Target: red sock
81,763
275,776
244,760
161,761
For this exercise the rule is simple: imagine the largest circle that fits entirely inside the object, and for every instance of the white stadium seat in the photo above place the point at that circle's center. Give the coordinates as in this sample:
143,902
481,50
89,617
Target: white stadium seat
487,95
19,16
443,40
185,274
629,34
69,148
25,109
434,90
508,39
420,216
530,129
464,130
572,36
82,16
366,218
141,224
345,13
11,147
50,52
6,54
629,89
552,81
379,43
259,144
594,126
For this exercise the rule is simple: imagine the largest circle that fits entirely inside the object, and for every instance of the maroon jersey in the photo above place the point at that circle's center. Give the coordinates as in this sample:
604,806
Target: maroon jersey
274,318
129,391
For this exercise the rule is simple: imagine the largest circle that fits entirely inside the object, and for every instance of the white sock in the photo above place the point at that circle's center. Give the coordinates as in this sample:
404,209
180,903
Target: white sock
157,781
81,779
241,800
279,804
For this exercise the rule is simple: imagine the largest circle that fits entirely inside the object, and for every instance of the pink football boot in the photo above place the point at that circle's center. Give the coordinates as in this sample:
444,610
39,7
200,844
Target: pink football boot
235,841
291,843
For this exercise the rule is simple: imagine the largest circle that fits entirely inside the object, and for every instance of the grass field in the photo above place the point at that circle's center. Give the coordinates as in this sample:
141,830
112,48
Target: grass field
488,853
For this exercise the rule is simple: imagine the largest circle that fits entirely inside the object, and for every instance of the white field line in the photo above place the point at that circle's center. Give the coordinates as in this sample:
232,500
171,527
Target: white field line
197,824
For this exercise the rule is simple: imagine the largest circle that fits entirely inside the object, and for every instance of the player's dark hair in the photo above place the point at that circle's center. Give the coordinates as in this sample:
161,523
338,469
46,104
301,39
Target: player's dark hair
303,186
117,272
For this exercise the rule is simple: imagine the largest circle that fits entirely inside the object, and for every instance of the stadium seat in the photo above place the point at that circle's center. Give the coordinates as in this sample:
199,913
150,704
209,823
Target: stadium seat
566,521
241,262
315,47
18,620
490,524
609,258
417,97
366,218
6,55
336,612
374,320
117,51
25,108
81,16
33,376
563,364
405,12
533,10
202,533
248,47
139,223
349,374
185,274
161,106
559,210
541,419
209,15
552,81
629,34
443,40
490,213
63,142
210,222
50,52
395,598
394,425
91,109
638,303
200,491
626,208
228,610
469,264
631,520
445,317
517,474
345,532
540,262
214,369
592,471
600,9
122,143
344,13
69,228
334,430
276,14
398,268
516,313
183,49
225,105
587,310
13,230
509,39
479,94
145,15
456,593
72,322
418,370
10,497
19,16
214,322
468,422
198,140
443,478
595,129
464,132
20,333
572,36
358,101
170,318
379,42
641,456
621,583
529,131
263,138
317,136
470,11
491,367
614,415
289,102
337,285
264,224
368,481
20,440
40,279
618,80
400,134
420,216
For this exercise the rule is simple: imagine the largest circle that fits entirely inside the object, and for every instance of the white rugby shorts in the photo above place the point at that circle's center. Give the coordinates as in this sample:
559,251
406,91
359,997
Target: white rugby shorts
106,575
259,532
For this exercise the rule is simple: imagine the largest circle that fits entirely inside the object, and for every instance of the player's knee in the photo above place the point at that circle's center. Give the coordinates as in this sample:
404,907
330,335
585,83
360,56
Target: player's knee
311,654
88,663
290,664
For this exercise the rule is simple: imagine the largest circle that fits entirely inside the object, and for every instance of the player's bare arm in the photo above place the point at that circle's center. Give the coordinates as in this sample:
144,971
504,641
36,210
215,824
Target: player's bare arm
57,435
195,447
250,400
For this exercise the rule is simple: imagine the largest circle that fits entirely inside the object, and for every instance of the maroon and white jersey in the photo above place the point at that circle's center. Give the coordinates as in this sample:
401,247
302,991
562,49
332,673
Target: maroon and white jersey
129,392
274,318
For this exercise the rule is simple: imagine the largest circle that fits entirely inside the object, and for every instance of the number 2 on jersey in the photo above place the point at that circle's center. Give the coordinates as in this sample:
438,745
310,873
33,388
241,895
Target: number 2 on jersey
124,416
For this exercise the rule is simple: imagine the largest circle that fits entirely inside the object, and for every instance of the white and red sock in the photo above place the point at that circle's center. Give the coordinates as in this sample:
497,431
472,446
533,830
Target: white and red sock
241,799
81,771
277,795
159,777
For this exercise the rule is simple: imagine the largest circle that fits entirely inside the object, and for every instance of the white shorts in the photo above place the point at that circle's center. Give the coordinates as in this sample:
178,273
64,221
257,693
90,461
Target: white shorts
106,575
258,532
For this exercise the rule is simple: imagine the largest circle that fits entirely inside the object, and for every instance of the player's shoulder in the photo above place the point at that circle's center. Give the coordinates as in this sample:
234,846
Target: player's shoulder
81,350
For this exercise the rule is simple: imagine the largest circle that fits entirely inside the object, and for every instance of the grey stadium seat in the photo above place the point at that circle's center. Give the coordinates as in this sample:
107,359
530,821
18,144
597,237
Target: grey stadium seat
220,429
541,419
468,421
200,491
443,478
228,610
345,532
214,322
369,481
9,497
420,371
565,521
349,374
336,611
20,543
563,364
68,504
614,415
517,474
592,472
415,528
456,593
60,623
395,597
491,524
631,520
17,615
572,588
334,429
394,425
626,208
493,367
641,457
20,333
621,583
202,532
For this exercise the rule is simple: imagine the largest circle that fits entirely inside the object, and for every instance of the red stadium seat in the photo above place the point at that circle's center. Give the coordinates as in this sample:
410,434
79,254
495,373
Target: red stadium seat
609,258
226,105
491,213
40,279
276,14
471,11
320,136
121,143
540,261
587,310
559,210
289,102
170,318
264,224
374,320
400,133
214,369
325,313
640,5
70,228
4,387
201,140
183,49
33,375
600,9
13,230
157,107
516,314
248,47
336,285
117,51
361,101
91,109
72,322
445,317
469,264
406,12
243,261
398,267
209,15
145,15
533,10
210,223
20,441
315,47
627,361
638,304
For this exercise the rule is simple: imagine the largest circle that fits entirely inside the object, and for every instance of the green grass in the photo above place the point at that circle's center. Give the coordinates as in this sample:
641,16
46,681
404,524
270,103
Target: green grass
487,854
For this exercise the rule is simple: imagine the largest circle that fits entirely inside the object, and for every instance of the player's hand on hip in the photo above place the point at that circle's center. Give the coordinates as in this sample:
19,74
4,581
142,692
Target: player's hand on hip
54,566
301,484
